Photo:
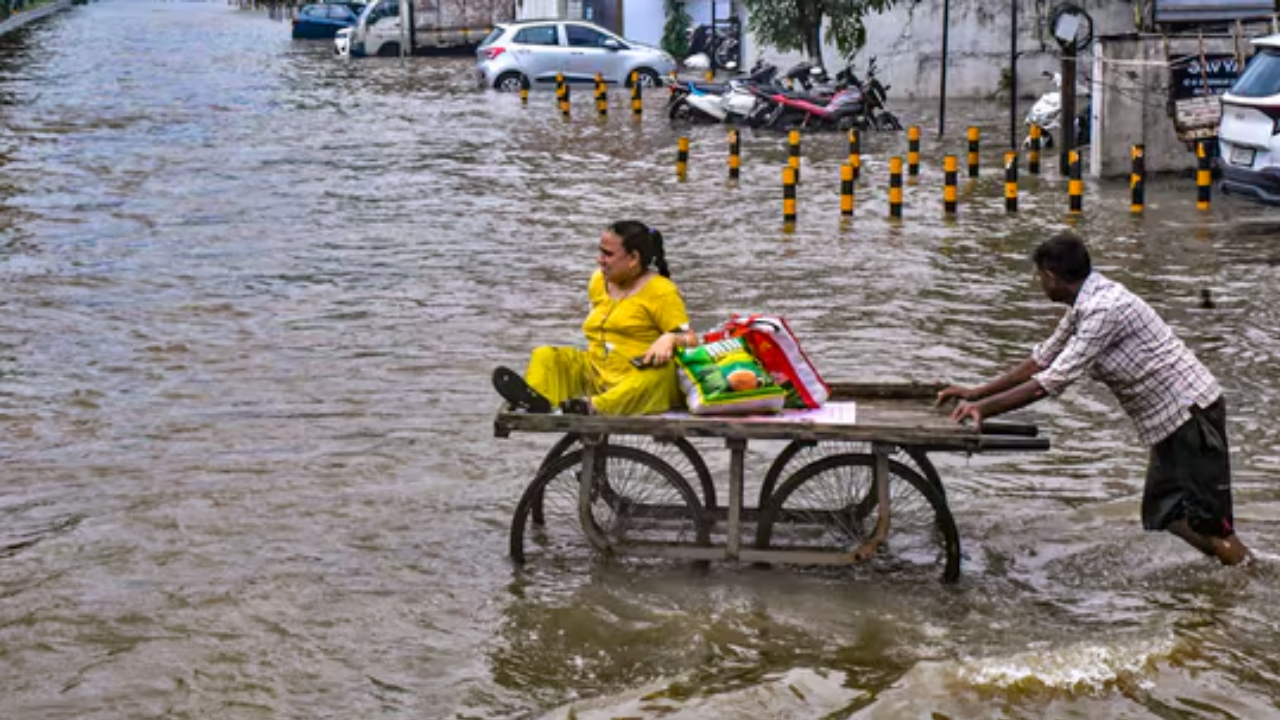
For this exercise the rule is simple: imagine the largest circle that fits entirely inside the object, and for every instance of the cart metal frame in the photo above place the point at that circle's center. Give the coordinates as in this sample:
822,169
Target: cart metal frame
893,419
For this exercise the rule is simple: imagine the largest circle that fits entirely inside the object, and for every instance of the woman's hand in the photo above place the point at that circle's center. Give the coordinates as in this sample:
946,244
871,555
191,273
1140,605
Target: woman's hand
662,350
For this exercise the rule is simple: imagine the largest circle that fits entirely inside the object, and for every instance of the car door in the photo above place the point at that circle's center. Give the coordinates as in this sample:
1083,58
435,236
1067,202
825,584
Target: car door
539,52
588,53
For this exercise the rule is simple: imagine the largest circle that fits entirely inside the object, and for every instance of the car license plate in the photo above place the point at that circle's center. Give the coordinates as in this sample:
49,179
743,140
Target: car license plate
1242,156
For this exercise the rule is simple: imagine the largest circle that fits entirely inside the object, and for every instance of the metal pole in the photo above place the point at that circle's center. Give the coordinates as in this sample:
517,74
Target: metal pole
1068,91
1013,76
942,85
711,42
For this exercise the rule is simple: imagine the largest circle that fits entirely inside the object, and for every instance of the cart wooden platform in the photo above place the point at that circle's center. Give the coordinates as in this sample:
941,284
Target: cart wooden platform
853,483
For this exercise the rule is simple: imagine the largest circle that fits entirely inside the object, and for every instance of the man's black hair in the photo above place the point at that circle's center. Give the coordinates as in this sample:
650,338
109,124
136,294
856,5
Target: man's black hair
1064,255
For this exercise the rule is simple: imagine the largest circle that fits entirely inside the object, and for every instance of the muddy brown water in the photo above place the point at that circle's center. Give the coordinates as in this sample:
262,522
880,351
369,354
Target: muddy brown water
251,298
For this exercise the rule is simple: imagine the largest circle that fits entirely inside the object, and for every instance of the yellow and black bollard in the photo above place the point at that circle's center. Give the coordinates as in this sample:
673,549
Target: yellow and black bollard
735,158
524,89
1075,183
1137,180
1011,182
950,170
1033,153
562,95
913,150
855,153
602,97
682,158
1204,177
895,187
637,102
788,196
793,152
974,136
846,190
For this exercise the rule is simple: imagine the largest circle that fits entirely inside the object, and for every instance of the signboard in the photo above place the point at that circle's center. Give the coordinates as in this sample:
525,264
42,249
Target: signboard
1195,83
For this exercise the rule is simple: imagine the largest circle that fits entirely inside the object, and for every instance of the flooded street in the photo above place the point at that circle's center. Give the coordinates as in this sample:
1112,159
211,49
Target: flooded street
252,295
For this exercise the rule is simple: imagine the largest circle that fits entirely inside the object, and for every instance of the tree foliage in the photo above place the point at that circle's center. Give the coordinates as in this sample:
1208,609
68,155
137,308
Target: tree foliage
798,25
675,34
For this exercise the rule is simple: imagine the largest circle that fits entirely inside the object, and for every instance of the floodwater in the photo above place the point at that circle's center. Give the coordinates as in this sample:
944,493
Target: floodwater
251,298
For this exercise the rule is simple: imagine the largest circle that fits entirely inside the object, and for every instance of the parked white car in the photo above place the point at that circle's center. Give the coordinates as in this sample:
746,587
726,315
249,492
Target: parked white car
1249,131
534,51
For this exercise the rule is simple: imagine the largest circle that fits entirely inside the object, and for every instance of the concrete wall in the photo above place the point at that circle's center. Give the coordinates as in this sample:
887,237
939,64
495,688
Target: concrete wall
907,44
1131,101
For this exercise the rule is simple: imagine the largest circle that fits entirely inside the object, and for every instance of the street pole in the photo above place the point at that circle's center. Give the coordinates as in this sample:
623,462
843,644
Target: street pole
942,86
1013,76
1068,91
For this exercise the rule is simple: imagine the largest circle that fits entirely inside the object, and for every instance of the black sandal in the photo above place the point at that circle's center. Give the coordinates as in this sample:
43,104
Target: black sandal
511,386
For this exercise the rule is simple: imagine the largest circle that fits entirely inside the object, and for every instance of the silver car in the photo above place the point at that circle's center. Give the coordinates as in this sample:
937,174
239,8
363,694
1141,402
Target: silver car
532,52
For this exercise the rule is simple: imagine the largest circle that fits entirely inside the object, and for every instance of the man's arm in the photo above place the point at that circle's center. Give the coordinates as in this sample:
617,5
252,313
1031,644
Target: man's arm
1011,378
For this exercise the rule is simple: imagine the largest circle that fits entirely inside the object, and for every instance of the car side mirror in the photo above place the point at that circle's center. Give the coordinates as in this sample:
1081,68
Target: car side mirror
611,44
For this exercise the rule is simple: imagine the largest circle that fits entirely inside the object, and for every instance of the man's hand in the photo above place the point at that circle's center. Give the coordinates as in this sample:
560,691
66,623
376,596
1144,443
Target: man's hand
968,411
954,391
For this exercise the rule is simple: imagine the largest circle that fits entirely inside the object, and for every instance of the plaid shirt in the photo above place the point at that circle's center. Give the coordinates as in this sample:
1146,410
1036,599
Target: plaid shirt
1115,337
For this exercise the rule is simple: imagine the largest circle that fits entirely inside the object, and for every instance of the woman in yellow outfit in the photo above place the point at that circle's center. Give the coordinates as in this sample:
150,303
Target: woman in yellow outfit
637,322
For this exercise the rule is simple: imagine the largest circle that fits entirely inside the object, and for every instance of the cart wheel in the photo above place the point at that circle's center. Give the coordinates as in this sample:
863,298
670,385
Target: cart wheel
641,500
830,504
799,453
679,453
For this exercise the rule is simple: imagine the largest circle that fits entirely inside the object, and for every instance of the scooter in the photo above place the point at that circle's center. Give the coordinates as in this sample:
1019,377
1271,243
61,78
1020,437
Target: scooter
1047,113
733,101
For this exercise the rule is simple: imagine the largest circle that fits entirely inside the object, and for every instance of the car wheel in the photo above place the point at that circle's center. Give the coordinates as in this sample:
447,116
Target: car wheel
509,82
389,50
646,78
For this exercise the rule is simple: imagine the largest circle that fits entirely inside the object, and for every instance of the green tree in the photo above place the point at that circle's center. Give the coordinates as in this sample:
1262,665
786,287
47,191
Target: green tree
675,34
797,25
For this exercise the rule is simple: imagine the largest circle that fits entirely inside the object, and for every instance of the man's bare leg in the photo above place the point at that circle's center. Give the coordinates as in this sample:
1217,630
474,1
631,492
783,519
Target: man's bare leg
1228,550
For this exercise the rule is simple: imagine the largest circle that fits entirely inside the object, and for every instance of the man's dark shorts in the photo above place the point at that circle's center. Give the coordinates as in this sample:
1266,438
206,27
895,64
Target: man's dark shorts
1189,475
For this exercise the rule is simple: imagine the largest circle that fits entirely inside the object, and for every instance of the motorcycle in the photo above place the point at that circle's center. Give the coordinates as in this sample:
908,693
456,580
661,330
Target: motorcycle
1047,113
853,103
720,43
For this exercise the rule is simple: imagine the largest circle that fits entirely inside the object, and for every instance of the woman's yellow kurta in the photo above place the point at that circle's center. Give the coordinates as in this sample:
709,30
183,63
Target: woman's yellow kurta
617,331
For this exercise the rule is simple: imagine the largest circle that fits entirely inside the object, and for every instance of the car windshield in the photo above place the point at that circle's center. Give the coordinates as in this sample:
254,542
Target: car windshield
1261,78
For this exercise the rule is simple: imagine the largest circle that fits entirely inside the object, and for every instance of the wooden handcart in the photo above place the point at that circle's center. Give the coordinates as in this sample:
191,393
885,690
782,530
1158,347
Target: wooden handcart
852,484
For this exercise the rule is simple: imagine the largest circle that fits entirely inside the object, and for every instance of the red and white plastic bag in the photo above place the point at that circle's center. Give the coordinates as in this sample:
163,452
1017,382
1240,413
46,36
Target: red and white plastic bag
774,345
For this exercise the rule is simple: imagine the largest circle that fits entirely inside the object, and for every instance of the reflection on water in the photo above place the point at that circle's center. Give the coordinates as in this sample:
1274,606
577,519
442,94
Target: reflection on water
252,296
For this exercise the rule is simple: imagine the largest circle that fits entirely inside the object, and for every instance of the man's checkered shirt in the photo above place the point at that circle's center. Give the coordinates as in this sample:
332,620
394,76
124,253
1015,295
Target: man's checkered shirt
1115,337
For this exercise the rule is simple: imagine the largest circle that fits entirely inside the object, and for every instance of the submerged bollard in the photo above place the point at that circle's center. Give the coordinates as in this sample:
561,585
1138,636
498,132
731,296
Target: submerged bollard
974,137
735,160
637,101
1033,153
602,97
1075,185
895,187
1011,182
524,89
788,195
913,150
950,170
855,153
1204,177
562,95
846,190
793,152
682,158
1137,180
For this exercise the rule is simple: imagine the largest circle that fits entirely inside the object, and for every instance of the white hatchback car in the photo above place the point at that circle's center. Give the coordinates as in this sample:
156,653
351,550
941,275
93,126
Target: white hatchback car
1249,131
534,51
